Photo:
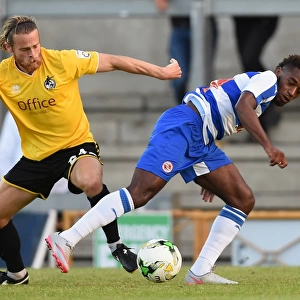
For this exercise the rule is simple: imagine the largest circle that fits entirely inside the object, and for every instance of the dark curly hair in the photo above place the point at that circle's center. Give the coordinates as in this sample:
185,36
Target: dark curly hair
291,60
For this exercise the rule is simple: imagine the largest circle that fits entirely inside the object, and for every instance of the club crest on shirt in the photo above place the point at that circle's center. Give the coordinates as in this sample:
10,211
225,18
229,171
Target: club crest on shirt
167,167
49,83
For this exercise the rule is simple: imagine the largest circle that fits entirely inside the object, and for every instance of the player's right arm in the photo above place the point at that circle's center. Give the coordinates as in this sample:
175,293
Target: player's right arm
108,62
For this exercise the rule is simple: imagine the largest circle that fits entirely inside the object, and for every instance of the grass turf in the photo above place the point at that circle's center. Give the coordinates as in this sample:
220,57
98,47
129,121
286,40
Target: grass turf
263,283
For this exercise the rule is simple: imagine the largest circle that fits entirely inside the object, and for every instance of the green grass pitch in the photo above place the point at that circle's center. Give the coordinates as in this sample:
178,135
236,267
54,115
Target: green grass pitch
263,283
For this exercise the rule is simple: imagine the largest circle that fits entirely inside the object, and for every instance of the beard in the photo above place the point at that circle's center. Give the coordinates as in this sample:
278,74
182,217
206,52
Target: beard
29,65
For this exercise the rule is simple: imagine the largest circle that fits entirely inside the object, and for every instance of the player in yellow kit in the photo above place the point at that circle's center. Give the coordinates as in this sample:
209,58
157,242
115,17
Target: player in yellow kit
40,88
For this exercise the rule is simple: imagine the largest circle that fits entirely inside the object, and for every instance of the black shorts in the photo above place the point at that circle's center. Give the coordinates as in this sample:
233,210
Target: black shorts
38,177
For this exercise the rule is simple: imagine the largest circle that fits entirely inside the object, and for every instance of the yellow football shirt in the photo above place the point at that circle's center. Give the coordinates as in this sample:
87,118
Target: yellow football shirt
47,105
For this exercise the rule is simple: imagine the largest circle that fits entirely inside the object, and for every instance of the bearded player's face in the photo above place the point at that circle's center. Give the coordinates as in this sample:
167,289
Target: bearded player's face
26,50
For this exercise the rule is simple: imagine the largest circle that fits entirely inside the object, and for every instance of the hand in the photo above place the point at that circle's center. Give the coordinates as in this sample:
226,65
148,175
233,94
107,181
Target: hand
172,70
207,196
276,157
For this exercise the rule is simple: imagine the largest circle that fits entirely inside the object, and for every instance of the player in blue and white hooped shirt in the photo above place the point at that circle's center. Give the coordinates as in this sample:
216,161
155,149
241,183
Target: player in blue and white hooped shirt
217,102
183,141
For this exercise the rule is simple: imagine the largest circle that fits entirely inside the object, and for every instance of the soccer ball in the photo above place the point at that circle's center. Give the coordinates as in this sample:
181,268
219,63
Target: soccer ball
159,260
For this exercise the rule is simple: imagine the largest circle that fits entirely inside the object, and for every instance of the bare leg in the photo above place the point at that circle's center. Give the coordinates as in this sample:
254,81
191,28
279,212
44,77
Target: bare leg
143,187
228,184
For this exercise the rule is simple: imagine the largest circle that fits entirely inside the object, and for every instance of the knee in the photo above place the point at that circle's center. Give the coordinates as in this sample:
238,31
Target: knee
246,201
243,201
91,186
4,222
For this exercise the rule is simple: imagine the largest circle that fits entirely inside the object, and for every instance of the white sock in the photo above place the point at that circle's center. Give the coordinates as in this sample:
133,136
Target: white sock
113,246
110,207
17,275
224,229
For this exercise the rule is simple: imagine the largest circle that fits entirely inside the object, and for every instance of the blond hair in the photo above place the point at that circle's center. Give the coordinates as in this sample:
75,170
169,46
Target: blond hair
16,25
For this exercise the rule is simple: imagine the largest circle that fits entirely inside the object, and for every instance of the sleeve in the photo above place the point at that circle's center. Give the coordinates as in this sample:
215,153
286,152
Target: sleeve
263,86
78,63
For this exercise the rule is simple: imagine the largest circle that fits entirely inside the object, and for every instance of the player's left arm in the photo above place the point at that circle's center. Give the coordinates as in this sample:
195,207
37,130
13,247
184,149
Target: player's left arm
108,62
245,109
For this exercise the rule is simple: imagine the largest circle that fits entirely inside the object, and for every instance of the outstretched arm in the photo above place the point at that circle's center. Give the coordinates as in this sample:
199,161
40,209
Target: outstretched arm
108,62
245,110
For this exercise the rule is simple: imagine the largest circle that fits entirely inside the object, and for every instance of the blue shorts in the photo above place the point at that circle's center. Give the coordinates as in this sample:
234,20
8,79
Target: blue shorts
176,146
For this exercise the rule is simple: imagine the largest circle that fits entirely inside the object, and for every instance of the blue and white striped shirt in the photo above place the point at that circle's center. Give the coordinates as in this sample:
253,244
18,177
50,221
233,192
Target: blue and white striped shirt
216,103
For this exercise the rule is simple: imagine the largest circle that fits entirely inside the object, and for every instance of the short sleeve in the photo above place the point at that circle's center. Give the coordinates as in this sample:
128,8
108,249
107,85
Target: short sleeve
78,63
263,86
